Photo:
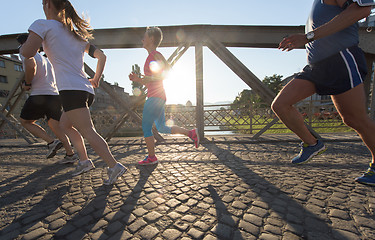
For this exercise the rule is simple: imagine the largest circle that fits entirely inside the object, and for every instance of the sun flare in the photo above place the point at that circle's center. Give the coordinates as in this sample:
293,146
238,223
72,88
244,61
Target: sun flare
180,84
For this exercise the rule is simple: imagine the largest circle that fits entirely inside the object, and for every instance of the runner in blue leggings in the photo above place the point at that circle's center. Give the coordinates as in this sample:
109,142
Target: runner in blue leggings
153,111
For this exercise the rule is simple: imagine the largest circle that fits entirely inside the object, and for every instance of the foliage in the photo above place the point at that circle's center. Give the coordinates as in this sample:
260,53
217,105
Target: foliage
248,98
274,82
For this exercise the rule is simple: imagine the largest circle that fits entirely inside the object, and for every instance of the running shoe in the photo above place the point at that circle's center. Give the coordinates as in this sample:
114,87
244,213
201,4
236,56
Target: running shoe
83,166
148,161
53,147
114,173
307,152
69,159
194,135
368,178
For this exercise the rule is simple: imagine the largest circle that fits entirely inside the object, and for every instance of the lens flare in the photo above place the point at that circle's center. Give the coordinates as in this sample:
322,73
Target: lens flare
155,67
169,123
136,91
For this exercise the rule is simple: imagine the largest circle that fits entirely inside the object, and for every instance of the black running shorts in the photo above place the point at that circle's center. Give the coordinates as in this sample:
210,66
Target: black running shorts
40,106
74,99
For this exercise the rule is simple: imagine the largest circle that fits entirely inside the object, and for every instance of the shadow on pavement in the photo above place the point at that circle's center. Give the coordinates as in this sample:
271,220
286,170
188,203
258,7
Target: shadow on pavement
85,220
49,203
223,215
129,204
37,181
313,225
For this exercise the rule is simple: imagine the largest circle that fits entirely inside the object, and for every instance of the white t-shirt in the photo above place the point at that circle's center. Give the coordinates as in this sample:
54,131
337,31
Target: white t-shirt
44,82
65,52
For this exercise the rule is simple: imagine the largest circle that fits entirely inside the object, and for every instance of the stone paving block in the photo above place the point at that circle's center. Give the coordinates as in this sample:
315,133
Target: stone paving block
98,235
149,232
100,224
239,205
254,219
114,227
54,217
35,234
182,226
260,212
152,216
229,220
57,224
174,215
248,227
340,234
268,236
195,233
173,203
135,226
32,226
290,236
171,234
123,235
364,222
222,231
139,212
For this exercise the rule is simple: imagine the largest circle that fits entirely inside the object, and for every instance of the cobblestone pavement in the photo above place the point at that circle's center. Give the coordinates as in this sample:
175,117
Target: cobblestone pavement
222,190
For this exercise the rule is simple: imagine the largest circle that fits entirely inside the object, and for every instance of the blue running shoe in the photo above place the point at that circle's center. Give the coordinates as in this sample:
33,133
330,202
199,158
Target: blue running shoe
307,152
368,177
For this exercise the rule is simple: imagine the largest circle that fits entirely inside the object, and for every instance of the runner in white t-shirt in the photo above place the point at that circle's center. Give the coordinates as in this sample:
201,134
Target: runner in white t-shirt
44,101
64,36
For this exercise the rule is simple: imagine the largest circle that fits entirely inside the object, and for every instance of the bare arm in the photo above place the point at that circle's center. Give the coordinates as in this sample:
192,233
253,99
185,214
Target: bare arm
102,58
30,69
346,18
31,46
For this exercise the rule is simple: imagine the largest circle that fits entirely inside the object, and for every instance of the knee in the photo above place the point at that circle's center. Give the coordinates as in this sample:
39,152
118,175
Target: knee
277,106
147,130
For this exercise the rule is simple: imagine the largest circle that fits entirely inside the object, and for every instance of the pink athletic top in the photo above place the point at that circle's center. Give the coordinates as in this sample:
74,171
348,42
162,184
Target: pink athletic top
155,89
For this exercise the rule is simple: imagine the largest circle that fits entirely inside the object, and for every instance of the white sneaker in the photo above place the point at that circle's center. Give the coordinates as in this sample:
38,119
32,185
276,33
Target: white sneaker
114,173
83,166
69,159
53,148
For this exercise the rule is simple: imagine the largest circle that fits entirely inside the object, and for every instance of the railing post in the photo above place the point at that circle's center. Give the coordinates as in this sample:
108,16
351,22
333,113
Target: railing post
199,88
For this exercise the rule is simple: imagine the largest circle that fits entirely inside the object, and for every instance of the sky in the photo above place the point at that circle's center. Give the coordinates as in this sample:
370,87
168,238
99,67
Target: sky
220,83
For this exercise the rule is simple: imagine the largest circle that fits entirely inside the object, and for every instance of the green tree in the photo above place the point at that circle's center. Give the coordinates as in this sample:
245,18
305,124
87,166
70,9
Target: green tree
248,98
273,82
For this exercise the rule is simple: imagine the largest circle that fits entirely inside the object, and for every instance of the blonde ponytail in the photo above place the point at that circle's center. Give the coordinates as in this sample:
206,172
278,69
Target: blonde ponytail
79,26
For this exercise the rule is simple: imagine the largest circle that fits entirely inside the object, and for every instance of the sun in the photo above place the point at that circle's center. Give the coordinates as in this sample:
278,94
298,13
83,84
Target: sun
180,84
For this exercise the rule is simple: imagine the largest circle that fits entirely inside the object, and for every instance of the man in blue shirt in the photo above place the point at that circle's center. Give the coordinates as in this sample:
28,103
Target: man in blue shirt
336,67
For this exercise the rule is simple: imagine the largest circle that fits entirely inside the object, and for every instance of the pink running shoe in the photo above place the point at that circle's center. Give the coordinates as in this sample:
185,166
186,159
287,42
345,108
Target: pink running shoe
148,161
194,135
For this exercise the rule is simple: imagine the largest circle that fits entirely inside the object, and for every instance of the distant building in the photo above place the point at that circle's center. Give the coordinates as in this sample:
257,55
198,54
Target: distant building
10,73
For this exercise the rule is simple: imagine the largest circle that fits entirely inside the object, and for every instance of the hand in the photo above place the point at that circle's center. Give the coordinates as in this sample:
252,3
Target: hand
24,87
134,77
292,42
94,82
